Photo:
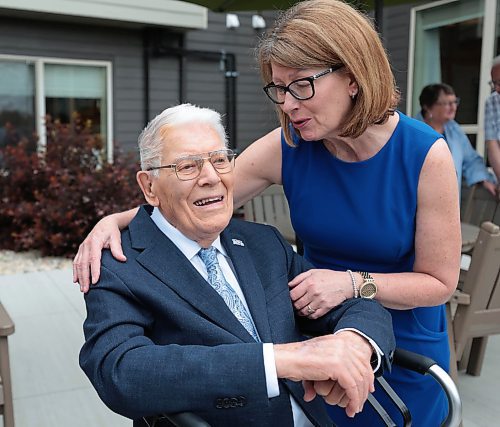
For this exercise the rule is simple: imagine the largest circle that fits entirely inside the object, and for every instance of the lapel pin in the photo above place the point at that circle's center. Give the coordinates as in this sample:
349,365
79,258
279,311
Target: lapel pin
238,242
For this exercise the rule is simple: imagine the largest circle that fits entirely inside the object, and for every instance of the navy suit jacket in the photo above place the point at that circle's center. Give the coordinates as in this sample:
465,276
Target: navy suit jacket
159,339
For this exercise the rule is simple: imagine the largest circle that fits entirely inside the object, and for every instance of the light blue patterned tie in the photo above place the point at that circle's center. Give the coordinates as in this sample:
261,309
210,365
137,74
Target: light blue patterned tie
219,283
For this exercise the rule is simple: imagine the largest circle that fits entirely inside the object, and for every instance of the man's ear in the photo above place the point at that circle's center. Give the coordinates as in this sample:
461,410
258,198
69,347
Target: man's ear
145,181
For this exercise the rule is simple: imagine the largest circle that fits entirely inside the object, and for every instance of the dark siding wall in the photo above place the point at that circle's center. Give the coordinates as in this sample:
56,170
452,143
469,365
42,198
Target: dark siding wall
396,36
204,80
255,114
123,48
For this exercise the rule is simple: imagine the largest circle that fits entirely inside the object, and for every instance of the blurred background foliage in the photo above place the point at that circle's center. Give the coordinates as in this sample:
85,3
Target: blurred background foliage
50,200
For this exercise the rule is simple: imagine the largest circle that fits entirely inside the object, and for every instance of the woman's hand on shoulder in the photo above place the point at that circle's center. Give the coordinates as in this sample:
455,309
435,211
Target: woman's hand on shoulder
87,262
315,292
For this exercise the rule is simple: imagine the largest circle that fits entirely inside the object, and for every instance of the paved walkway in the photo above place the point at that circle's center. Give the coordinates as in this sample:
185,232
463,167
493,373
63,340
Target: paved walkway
50,390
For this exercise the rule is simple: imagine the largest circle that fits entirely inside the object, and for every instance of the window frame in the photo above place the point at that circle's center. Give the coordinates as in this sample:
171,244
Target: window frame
40,111
488,15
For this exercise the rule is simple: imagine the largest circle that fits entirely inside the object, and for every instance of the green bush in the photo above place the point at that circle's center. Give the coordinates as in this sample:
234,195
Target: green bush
50,201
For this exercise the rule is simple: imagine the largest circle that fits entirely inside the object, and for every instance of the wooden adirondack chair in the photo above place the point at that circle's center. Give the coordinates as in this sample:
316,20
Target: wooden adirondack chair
6,406
479,206
478,302
271,207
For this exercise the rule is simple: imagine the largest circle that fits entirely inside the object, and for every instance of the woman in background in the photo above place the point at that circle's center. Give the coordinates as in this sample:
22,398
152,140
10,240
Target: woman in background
439,106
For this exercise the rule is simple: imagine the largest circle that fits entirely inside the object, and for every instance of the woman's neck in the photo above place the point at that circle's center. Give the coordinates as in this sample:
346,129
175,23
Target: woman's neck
438,127
366,145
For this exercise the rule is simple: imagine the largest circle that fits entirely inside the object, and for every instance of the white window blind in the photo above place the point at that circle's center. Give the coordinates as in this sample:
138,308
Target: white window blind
75,81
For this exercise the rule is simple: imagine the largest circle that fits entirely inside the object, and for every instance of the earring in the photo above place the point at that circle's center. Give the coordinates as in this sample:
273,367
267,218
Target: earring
353,95
430,116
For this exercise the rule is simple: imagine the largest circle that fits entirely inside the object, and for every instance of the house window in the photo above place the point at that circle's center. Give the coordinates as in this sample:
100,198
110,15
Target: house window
17,102
33,88
453,42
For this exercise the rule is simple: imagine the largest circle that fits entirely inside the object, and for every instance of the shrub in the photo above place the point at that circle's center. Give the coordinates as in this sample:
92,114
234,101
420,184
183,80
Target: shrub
50,201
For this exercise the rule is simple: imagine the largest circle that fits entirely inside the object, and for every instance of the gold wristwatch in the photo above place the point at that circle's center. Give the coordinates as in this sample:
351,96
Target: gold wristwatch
368,288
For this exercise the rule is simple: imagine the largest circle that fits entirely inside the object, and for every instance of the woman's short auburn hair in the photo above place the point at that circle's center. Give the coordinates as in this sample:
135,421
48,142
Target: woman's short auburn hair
325,33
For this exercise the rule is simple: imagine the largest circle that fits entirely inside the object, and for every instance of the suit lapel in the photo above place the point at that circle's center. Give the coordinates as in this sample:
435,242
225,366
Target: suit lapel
165,261
248,280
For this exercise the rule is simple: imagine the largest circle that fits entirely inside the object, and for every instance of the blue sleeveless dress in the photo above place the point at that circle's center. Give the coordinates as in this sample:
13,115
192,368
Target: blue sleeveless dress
361,216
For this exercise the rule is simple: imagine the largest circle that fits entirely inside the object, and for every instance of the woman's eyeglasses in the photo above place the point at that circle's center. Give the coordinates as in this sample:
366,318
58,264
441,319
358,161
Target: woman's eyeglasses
455,102
301,89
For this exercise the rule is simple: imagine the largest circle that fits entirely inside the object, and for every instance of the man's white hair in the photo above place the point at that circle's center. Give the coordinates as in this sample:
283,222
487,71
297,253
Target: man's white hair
155,134
495,62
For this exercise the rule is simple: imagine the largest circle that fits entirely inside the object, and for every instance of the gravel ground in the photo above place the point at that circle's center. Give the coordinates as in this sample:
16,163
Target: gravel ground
26,262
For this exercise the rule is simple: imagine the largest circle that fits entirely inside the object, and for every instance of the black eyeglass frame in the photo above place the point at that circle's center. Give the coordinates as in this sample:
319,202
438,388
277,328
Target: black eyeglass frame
309,79
200,161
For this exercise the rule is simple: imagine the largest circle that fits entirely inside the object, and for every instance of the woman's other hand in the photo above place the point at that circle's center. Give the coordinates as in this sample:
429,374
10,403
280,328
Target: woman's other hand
87,262
316,291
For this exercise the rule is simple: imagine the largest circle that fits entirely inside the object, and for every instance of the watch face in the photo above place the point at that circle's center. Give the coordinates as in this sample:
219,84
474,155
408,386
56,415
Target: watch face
368,290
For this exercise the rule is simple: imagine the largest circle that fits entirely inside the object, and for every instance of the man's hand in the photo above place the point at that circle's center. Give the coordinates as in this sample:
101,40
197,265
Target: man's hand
336,367
87,262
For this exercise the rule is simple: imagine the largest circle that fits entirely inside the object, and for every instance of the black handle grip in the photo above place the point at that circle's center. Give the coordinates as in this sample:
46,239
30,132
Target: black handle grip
412,361
186,419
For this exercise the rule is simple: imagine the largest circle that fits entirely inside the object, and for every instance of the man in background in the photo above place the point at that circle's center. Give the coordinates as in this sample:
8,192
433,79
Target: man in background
492,119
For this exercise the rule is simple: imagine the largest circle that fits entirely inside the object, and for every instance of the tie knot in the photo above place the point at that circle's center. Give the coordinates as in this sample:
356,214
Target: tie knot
208,256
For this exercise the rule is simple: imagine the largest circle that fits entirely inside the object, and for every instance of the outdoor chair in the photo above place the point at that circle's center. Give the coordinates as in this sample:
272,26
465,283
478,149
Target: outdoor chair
6,406
477,303
271,207
478,206
406,359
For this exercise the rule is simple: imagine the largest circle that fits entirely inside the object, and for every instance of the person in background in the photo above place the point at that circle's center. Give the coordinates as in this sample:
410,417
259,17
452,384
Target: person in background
160,339
439,104
492,118
360,178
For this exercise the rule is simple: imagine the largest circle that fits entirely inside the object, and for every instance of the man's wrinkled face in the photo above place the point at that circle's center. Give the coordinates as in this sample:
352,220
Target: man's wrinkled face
202,207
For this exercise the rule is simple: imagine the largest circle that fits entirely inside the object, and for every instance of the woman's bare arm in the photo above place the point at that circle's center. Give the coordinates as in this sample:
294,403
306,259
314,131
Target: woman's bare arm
257,167
437,238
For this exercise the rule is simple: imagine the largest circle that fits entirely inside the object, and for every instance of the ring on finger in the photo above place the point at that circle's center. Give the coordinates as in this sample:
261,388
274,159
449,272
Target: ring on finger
310,310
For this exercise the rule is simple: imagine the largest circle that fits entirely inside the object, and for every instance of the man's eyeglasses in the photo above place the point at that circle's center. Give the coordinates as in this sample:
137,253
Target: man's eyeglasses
189,167
494,83
455,102
301,89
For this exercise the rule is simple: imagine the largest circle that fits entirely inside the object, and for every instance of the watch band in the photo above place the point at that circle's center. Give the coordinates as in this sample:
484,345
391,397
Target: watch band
368,289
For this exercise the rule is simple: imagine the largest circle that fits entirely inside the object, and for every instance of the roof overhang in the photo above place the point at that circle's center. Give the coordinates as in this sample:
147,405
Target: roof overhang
129,13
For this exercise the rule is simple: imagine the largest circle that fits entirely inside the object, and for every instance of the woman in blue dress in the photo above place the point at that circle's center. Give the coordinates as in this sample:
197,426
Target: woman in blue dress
372,193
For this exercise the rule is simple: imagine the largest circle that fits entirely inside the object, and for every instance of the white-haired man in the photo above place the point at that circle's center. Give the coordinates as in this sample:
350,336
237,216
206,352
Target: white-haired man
160,339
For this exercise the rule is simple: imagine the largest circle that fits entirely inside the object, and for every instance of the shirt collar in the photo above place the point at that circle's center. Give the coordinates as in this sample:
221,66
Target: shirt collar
188,247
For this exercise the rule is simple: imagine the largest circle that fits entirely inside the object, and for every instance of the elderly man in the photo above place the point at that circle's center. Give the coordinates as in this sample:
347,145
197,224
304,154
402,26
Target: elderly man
492,118
160,339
